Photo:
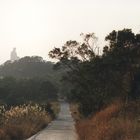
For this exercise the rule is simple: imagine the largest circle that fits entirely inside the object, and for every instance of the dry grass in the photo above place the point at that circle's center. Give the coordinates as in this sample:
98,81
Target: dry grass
74,111
116,122
21,122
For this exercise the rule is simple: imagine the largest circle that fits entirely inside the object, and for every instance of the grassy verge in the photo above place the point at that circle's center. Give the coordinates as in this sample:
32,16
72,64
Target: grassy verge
115,122
21,122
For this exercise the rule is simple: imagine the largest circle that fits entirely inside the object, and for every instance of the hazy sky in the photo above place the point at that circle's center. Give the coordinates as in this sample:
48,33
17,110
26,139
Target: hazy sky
35,26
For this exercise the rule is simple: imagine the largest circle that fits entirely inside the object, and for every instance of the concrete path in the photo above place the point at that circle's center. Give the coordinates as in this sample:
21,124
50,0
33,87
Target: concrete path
60,129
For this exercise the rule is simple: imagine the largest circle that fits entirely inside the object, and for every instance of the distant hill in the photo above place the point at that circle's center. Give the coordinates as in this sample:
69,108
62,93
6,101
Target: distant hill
27,67
35,67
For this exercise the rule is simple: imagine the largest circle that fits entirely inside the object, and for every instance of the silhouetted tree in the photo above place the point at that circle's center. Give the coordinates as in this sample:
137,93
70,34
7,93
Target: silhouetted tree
97,80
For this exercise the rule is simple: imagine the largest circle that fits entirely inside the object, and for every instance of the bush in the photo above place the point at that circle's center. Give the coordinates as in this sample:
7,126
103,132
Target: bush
22,121
116,122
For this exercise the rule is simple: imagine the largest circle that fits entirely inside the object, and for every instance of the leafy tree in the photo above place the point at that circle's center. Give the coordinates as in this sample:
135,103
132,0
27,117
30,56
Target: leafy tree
124,50
97,80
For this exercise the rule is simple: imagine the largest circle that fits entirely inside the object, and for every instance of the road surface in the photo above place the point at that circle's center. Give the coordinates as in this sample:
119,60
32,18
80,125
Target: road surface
60,129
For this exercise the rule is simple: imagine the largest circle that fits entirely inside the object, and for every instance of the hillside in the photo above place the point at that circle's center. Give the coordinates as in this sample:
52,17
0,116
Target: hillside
27,67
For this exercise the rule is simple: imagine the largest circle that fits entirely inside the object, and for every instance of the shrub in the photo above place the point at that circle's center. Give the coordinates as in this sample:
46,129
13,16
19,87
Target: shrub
116,122
22,121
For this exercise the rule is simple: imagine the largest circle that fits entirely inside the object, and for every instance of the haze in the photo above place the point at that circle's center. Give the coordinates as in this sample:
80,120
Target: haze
34,27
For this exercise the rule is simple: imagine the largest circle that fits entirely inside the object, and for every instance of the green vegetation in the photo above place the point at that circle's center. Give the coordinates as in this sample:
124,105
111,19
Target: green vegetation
16,92
27,67
28,97
104,89
31,67
28,79
97,80
91,81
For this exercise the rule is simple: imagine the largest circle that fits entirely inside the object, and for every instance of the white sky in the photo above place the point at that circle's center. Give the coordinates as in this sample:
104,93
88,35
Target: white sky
34,27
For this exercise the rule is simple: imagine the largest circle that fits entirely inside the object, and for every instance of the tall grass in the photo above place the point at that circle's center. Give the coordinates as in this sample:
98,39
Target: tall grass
22,121
116,122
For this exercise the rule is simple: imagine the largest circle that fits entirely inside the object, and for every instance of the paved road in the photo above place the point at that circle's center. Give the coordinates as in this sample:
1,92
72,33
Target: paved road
60,129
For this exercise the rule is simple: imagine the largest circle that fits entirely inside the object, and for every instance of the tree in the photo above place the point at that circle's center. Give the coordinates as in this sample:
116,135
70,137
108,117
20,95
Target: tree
98,80
73,50
27,67
14,92
78,57
124,49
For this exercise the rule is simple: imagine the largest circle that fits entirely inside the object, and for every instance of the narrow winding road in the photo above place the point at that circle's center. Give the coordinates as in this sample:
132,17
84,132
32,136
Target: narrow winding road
60,129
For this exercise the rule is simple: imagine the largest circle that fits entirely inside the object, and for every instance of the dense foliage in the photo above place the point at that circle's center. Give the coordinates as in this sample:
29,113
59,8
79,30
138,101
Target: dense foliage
96,80
27,67
19,91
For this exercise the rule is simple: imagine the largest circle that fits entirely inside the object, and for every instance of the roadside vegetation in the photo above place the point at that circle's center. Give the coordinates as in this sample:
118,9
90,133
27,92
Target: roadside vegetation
98,80
104,88
26,107
28,97
21,122
115,122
